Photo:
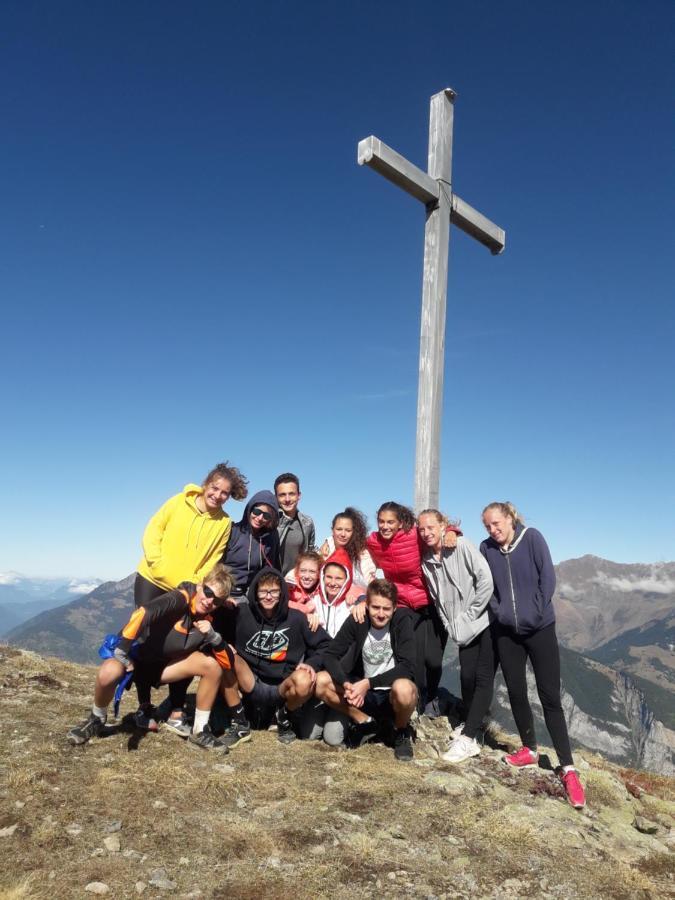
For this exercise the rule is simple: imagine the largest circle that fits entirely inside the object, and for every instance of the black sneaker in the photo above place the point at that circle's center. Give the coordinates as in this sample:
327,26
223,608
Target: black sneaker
361,733
403,748
206,740
285,731
235,734
92,727
145,718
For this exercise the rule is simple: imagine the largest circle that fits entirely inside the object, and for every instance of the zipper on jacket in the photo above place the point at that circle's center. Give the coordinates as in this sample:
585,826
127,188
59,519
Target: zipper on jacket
513,593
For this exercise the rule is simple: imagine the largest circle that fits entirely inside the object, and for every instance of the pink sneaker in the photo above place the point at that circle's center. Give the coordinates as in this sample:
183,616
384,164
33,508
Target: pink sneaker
523,759
573,789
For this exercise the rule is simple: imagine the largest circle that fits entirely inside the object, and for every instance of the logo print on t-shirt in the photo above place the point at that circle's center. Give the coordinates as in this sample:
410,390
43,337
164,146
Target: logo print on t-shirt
269,644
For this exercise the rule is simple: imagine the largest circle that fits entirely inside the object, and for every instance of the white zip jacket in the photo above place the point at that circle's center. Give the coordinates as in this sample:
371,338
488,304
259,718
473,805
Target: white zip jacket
460,584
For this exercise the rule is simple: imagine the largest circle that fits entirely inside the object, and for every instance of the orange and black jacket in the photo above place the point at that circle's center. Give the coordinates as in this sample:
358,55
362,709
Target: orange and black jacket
164,629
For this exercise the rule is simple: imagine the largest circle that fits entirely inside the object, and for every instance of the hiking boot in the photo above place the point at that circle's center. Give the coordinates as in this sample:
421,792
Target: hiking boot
403,746
91,727
461,748
235,734
361,733
573,789
206,740
523,759
285,731
144,718
178,726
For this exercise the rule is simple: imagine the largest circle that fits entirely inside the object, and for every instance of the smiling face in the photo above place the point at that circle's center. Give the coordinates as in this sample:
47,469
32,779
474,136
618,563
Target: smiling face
268,592
261,517
308,573
334,577
500,527
380,610
430,530
288,497
342,531
216,493
205,600
388,524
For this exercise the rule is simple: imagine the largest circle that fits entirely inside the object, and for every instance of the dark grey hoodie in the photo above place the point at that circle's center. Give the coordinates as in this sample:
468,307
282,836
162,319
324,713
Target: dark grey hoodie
246,552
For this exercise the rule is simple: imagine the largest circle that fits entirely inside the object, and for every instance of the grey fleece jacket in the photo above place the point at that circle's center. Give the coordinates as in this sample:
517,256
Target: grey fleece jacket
460,584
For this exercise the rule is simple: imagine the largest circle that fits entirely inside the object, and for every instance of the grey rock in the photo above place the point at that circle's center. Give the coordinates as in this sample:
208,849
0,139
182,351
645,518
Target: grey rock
644,826
112,843
9,830
97,887
224,768
112,827
140,886
74,829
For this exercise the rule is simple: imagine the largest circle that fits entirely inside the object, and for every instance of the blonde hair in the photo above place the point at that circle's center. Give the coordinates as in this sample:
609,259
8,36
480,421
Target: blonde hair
220,580
440,517
506,509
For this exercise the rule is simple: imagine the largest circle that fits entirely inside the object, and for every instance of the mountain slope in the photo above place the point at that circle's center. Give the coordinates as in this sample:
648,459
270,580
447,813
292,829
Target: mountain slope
75,631
597,600
131,814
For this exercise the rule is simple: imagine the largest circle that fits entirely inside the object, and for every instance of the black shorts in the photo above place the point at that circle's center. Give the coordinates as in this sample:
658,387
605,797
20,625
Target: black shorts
262,703
378,704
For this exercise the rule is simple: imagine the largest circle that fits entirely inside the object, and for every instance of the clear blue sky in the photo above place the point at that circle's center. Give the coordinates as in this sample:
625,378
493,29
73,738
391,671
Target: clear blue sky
194,268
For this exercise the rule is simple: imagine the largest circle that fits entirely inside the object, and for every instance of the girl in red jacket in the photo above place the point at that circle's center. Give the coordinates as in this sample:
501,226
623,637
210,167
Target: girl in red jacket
396,549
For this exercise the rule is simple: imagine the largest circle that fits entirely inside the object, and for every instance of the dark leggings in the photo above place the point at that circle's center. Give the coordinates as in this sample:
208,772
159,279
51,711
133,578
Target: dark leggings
144,592
430,641
541,648
477,662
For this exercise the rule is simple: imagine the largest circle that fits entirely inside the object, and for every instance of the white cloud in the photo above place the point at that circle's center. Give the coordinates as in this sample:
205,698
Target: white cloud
82,587
625,585
10,578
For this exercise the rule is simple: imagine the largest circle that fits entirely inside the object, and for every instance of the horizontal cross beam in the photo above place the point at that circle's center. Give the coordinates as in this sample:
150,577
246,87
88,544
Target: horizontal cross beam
372,152
396,168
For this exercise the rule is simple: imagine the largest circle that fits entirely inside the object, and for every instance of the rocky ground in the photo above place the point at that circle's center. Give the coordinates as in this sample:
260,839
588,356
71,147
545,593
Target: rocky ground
131,815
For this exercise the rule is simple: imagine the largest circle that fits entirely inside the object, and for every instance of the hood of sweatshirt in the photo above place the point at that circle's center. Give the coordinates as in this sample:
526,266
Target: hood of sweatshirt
270,500
281,611
338,557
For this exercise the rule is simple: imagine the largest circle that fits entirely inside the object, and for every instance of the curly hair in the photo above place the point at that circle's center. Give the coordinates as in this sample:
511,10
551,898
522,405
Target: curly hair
357,542
404,514
238,483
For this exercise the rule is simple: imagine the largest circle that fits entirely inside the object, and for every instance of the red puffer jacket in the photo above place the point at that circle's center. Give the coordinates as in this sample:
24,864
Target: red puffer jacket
401,562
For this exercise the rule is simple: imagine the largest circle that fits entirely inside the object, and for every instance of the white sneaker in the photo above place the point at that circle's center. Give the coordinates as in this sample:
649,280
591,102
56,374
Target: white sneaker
460,749
457,730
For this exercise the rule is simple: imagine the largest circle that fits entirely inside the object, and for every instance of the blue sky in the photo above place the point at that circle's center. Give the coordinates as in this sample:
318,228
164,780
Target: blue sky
194,267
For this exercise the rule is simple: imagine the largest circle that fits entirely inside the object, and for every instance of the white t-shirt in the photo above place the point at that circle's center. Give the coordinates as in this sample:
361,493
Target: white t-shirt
377,654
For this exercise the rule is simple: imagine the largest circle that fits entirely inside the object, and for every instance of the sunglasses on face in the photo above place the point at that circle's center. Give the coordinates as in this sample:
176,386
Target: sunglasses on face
265,516
208,593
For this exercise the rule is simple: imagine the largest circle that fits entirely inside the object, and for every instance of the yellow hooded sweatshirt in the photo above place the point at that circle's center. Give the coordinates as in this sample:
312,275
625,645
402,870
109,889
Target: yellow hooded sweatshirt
180,543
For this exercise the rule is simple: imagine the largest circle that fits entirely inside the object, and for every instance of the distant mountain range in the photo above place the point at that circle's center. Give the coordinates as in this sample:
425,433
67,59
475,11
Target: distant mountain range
616,623
22,598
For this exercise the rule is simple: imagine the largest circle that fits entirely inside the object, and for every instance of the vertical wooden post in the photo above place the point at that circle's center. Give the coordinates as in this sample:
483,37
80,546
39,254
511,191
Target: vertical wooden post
434,294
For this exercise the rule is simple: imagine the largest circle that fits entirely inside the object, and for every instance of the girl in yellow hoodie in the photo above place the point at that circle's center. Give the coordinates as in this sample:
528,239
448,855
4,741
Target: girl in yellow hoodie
188,534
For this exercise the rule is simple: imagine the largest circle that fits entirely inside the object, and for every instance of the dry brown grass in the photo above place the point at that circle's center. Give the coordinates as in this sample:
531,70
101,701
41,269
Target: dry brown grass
302,819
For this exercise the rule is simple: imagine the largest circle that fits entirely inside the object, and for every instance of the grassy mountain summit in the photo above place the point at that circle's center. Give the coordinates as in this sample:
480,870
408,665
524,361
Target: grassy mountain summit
130,814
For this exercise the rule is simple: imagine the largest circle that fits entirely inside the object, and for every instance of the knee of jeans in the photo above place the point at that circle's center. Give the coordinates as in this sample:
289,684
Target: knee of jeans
334,733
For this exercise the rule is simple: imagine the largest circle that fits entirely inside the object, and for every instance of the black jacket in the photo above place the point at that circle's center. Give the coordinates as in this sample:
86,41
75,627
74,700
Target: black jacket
274,647
164,630
343,659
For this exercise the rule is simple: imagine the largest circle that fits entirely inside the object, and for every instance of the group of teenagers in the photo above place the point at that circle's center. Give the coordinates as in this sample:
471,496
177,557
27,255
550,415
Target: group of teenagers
343,643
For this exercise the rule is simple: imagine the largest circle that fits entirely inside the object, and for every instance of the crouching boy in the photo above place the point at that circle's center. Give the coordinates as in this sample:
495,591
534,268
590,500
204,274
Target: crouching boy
277,657
175,640
370,670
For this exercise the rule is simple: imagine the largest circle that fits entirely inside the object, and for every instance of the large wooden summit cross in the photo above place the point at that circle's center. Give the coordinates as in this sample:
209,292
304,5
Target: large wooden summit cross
434,189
